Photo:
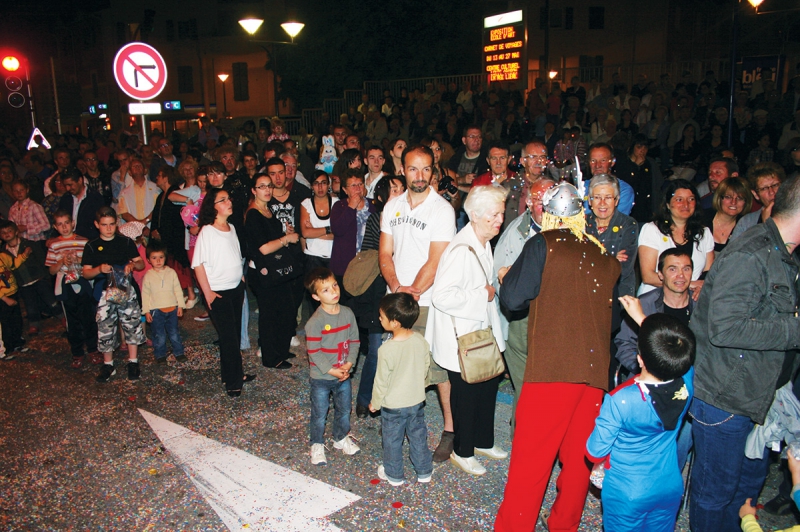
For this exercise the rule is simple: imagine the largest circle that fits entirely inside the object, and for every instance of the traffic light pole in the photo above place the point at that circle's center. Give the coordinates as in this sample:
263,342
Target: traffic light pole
55,94
30,95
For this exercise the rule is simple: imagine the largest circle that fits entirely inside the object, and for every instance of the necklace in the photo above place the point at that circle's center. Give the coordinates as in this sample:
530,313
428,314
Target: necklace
280,195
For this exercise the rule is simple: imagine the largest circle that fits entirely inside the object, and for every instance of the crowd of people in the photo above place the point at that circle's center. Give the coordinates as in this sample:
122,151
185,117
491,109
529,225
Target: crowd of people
443,213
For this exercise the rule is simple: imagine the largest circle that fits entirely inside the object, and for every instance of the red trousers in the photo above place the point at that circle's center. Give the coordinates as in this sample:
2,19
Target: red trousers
554,420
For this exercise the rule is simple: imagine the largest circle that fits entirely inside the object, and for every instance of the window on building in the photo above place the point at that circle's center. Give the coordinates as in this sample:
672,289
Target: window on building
185,80
170,30
542,18
555,18
569,18
241,90
187,30
597,18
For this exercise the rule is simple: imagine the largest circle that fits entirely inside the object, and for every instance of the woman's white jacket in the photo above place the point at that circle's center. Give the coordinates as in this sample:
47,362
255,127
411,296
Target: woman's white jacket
459,290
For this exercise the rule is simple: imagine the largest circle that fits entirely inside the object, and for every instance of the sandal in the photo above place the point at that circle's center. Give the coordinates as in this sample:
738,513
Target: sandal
234,393
248,378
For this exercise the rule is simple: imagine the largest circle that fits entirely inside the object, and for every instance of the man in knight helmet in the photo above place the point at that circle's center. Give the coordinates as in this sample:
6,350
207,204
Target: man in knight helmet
567,279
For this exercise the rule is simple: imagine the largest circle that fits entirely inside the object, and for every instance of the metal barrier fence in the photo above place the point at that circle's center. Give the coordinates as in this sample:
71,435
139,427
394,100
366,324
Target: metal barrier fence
629,74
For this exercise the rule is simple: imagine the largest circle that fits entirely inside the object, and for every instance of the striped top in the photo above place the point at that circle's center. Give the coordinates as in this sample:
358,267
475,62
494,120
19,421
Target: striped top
332,341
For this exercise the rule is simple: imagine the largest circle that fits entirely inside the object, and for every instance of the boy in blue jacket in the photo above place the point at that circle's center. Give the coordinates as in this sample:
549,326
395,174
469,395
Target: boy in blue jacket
637,429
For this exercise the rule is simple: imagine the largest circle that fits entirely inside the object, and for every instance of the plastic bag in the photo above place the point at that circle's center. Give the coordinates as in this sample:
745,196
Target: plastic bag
117,288
598,474
73,270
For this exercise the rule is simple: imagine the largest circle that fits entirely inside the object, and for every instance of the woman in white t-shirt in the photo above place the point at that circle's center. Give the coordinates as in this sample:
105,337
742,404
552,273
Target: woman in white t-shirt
217,263
315,222
678,224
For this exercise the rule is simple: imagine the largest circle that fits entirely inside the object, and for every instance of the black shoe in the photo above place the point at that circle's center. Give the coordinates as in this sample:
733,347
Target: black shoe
290,355
780,505
283,365
133,371
362,411
234,393
445,447
106,372
181,358
162,360
248,378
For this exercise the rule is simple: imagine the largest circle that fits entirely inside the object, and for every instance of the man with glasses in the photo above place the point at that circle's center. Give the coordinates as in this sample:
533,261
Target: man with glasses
601,159
469,161
765,179
294,179
95,178
162,156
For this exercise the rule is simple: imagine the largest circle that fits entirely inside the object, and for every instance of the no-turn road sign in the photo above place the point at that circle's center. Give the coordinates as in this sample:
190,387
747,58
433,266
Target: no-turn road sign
140,71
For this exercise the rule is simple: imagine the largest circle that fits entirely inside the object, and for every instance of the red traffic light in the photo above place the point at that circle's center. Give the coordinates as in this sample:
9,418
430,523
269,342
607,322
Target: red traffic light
10,63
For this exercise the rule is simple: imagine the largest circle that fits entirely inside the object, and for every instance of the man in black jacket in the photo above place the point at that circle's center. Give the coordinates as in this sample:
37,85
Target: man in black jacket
748,334
81,202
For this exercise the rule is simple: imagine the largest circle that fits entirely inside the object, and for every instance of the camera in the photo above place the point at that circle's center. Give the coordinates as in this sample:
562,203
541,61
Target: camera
447,186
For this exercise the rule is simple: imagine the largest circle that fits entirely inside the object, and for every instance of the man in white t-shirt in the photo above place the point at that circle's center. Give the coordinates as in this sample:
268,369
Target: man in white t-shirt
416,227
375,160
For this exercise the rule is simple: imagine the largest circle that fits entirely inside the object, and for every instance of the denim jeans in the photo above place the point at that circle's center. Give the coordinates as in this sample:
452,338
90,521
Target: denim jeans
722,477
165,324
321,390
396,423
684,442
368,371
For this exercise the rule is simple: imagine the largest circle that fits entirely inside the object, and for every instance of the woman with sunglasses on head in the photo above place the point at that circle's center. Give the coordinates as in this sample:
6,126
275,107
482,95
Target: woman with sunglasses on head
272,270
315,223
217,263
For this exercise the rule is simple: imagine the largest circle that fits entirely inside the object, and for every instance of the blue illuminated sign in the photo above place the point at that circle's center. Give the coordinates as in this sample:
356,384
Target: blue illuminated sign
173,105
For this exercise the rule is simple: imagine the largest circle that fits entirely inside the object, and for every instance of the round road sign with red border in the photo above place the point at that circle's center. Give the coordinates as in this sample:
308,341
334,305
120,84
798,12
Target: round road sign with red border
140,71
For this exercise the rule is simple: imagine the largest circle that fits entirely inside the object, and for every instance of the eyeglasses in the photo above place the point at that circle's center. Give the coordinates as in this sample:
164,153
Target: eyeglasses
264,187
773,187
535,157
603,199
223,200
737,199
473,136
91,159
356,185
164,146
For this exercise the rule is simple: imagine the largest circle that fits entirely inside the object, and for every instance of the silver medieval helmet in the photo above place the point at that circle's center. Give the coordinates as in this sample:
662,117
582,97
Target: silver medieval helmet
562,200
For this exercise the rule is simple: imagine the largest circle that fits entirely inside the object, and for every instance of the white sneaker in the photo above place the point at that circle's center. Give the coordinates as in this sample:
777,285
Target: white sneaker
468,465
382,476
494,453
190,303
318,454
347,445
425,479
295,341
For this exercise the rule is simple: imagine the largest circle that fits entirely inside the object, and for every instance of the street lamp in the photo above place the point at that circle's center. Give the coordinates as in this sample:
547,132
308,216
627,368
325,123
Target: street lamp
223,78
251,25
292,28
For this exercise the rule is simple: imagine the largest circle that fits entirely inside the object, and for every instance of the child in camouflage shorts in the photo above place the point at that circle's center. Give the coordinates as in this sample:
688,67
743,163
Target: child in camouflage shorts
101,257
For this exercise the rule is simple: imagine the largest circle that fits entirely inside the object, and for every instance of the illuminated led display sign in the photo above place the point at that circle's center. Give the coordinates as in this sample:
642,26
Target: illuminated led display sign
505,47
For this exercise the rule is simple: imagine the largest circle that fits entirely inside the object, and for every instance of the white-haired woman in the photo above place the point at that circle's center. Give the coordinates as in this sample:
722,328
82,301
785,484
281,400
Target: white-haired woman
463,293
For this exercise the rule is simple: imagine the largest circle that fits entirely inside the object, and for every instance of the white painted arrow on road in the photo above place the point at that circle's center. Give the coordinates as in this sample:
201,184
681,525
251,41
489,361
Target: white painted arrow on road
246,490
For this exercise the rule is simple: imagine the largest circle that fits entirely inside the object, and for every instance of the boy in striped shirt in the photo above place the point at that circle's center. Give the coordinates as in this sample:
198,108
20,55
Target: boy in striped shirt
64,254
332,343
